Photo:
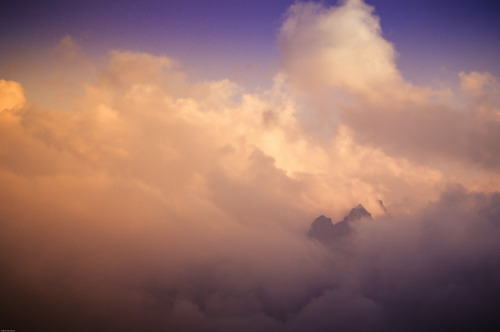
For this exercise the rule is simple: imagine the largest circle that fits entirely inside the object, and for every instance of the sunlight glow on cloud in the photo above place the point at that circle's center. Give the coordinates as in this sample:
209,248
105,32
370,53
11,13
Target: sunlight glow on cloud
11,95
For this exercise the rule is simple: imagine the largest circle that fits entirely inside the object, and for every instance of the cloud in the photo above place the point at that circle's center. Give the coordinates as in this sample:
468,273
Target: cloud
337,47
337,60
11,95
149,200
426,130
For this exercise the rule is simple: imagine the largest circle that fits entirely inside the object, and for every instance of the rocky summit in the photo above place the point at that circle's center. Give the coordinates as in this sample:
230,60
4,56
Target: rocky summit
323,229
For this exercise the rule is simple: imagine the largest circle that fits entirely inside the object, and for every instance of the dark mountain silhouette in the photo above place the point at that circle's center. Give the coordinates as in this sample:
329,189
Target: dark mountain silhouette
328,233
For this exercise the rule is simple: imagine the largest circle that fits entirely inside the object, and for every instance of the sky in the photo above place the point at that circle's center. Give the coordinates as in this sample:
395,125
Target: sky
221,38
161,164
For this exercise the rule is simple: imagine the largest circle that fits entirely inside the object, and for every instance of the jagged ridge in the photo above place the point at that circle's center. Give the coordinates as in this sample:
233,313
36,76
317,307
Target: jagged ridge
326,232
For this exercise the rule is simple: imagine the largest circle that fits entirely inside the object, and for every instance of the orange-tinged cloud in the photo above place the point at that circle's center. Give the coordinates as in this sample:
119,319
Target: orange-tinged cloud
11,95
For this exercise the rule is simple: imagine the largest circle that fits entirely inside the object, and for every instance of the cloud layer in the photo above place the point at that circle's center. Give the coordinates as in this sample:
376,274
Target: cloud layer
147,200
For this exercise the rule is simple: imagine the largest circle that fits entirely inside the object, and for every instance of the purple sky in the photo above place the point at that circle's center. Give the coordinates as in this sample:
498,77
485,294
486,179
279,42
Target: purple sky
434,39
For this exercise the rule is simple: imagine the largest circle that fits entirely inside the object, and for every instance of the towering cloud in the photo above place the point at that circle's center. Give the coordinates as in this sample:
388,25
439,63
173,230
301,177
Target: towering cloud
338,58
149,200
337,47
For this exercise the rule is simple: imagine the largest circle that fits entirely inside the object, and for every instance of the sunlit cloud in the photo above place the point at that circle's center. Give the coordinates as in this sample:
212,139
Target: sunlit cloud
11,95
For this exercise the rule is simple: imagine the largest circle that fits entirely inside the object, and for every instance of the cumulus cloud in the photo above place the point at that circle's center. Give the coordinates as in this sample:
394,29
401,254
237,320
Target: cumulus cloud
338,59
156,202
338,47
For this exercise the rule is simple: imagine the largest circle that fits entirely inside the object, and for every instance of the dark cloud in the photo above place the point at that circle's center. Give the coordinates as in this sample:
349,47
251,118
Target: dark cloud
435,270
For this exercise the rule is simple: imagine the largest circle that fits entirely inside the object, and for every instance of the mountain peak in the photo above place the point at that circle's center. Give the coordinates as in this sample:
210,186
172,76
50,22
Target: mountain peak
321,228
328,233
357,213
